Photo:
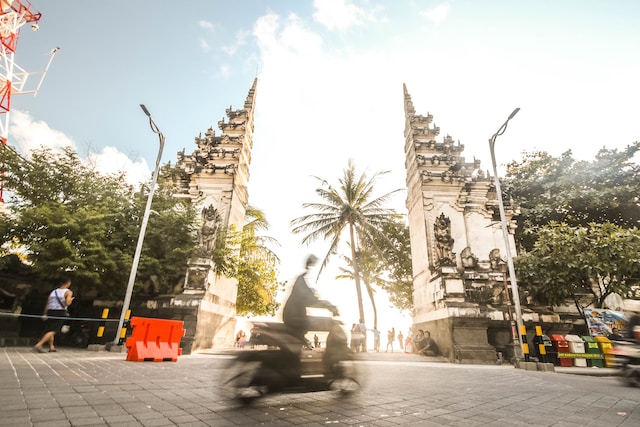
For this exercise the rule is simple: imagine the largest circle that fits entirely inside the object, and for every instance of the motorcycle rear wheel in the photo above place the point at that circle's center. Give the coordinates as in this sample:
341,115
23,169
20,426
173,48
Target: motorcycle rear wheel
631,375
240,381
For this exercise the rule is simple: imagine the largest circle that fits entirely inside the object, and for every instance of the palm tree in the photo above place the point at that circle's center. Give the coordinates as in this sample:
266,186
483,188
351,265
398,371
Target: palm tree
350,207
367,274
253,244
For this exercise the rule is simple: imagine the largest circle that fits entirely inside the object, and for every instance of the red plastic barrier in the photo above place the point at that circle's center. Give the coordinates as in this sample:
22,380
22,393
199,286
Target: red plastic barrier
156,340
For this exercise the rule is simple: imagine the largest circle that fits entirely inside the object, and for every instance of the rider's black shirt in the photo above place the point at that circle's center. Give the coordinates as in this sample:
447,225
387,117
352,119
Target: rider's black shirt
302,296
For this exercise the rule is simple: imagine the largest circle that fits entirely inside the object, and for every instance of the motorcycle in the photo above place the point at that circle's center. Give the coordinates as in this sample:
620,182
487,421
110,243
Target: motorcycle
279,362
627,359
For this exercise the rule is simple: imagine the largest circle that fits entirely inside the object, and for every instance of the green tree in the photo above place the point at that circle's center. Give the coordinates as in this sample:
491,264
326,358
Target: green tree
394,271
578,193
169,238
350,209
257,272
386,264
567,262
69,217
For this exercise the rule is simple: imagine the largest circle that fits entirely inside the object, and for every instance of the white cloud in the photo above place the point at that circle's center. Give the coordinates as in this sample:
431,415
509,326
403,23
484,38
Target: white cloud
224,71
204,45
110,161
239,41
337,14
206,25
27,134
438,14
281,43
209,27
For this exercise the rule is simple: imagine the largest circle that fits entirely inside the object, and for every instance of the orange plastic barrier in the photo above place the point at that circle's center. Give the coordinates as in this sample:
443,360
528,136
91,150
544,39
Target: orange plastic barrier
156,340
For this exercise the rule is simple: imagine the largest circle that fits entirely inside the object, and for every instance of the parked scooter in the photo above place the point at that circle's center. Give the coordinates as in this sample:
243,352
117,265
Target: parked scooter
281,363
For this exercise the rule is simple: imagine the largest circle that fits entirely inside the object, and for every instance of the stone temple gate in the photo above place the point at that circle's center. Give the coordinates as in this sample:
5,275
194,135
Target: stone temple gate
460,281
460,284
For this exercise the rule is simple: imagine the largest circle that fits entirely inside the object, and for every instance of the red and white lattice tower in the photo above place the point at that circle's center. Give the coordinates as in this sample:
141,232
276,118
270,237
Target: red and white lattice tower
13,15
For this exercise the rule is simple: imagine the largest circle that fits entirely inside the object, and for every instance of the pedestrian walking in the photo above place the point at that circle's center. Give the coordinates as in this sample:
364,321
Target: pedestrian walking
55,313
391,337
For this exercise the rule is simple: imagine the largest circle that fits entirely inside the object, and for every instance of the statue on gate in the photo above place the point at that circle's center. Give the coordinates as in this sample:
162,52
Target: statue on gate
444,241
209,230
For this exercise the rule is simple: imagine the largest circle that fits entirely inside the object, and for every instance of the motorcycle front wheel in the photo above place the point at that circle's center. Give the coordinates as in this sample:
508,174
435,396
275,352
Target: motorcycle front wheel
240,381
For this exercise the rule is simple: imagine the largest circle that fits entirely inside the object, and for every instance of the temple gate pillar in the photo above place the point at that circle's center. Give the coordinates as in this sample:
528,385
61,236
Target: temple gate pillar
456,242
215,178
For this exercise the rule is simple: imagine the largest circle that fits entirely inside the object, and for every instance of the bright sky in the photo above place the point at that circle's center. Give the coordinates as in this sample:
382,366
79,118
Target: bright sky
330,87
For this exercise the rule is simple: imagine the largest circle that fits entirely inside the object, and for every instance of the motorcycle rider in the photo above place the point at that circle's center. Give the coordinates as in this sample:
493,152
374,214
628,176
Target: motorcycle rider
282,365
302,297
299,323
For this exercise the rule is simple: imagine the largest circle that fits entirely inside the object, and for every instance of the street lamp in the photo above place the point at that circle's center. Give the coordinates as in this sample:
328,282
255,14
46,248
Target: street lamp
505,231
143,227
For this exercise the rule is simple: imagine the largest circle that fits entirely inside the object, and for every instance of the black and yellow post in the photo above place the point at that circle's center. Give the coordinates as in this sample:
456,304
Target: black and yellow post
105,315
125,326
542,350
525,345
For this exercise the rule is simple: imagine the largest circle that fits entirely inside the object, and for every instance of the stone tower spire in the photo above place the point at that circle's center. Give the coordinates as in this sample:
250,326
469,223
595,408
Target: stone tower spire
215,178
250,102
409,111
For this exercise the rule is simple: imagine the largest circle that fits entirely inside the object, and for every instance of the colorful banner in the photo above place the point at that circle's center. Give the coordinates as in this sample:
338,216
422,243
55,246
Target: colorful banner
601,321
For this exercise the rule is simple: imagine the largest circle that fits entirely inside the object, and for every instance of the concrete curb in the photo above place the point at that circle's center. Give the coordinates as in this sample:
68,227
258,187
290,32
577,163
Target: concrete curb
593,371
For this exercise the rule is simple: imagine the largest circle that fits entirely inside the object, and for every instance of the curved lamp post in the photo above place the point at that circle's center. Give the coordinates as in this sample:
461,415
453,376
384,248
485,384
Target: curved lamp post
143,227
505,234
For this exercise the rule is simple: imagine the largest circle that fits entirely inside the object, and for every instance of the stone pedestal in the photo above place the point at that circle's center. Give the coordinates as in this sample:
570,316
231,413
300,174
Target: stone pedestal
207,307
462,339
198,275
500,336
186,307
470,341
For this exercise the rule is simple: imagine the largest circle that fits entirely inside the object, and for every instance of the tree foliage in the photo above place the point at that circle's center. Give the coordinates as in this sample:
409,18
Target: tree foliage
69,217
577,193
386,264
256,272
349,210
393,263
567,262
577,223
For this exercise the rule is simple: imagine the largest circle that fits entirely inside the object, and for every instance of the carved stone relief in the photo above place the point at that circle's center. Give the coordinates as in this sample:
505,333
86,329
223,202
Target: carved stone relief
444,241
207,236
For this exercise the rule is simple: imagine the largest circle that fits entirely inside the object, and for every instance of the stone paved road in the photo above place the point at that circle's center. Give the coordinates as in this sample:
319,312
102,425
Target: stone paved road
82,388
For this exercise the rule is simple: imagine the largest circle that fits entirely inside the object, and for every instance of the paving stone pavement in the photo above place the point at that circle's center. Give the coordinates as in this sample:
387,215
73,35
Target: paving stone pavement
85,388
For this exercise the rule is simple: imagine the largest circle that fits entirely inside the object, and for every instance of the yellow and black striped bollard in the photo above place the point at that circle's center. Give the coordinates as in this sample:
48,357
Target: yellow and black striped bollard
125,326
103,322
525,345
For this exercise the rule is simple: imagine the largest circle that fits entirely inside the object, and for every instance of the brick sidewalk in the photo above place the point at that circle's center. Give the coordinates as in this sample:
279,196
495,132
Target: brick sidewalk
84,388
